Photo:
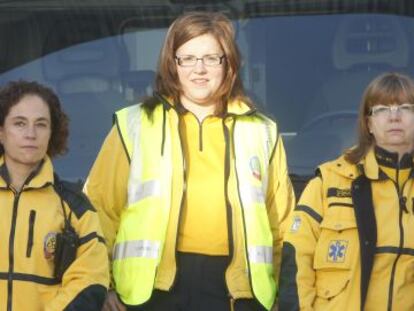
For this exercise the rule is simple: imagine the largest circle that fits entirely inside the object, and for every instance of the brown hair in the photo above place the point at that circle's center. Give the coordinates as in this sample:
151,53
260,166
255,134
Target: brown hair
14,91
386,89
187,27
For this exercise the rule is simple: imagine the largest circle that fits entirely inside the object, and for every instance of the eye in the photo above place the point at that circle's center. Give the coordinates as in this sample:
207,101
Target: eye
42,124
406,107
187,58
211,58
380,109
19,123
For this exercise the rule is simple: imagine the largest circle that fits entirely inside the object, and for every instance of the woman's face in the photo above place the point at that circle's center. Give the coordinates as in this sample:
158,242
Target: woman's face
393,128
200,82
26,132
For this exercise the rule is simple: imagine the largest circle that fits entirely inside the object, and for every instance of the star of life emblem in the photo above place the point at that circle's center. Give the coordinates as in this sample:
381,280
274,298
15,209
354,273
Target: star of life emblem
337,251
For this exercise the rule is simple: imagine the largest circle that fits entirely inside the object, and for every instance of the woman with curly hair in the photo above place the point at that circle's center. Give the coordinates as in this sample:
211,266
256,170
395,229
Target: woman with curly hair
51,237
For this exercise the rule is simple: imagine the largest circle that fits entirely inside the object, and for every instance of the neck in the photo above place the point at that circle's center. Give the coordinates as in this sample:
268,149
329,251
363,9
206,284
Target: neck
19,173
200,111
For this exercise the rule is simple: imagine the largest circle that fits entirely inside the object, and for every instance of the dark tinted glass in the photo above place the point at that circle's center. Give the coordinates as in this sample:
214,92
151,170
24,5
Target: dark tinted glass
308,72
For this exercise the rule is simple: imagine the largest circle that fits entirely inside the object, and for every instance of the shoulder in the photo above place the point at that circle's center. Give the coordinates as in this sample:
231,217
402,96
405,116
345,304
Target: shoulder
128,110
72,194
338,167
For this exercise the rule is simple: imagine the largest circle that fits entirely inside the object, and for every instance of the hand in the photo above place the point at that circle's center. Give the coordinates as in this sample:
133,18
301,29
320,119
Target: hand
112,303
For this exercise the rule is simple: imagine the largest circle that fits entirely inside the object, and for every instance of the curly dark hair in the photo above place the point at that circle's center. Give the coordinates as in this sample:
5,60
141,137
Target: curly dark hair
14,91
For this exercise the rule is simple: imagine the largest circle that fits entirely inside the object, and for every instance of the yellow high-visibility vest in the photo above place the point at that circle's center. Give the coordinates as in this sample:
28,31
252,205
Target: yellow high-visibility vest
141,235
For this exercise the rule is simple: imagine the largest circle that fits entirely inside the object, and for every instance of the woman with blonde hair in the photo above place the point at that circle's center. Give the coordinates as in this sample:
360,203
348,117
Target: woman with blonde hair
351,240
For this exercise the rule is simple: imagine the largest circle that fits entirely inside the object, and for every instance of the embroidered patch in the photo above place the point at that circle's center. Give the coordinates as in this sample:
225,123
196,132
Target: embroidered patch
49,245
340,193
337,251
255,167
295,224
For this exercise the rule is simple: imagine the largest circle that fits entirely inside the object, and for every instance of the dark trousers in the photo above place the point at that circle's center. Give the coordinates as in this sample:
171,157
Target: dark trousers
199,286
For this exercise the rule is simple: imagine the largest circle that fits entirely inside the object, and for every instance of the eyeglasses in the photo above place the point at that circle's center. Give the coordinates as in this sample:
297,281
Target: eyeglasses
207,60
385,111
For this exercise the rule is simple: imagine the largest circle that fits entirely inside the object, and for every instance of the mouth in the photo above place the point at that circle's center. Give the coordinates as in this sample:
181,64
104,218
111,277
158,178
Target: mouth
200,82
29,147
395,131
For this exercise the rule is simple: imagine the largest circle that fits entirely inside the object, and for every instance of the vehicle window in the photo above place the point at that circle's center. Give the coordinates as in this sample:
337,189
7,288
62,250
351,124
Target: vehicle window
307,71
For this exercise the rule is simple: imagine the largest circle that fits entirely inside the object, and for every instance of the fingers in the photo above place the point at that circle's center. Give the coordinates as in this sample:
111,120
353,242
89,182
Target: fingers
112,303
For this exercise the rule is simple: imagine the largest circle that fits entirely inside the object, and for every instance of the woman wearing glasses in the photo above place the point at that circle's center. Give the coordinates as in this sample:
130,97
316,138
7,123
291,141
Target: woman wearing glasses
192,185
350,245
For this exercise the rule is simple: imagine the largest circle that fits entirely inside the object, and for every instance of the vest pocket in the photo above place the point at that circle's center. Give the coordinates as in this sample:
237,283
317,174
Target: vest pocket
32,218
337,245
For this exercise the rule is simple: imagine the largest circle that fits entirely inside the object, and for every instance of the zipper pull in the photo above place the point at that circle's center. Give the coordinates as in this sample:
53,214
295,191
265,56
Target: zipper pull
403,205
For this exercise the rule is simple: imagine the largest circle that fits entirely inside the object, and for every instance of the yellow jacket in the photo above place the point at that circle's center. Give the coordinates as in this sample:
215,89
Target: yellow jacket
106,187
350,245
28,225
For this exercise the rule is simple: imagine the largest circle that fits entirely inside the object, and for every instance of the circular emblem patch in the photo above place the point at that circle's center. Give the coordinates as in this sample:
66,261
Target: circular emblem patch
49,245
255,167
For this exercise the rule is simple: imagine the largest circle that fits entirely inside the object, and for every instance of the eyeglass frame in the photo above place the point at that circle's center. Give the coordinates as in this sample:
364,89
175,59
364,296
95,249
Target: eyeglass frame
220,58
390,109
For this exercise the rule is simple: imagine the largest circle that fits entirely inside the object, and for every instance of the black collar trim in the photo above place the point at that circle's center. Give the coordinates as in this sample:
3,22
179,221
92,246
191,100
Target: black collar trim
390,159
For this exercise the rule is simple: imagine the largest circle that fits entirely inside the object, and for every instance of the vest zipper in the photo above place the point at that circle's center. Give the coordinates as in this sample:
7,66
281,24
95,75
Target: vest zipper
249,274
229,214
32,219
11,252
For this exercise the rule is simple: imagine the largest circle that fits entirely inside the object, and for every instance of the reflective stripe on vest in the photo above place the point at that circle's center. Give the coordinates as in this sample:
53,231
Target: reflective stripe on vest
252,161
148,249
139,243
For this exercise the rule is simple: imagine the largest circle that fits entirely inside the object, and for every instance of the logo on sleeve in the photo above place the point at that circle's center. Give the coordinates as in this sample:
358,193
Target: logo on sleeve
337,251
49,245
295,224
255,167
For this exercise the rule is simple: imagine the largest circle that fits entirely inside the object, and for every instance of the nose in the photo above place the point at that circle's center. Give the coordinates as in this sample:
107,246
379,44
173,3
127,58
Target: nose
199,67
395,115
30,132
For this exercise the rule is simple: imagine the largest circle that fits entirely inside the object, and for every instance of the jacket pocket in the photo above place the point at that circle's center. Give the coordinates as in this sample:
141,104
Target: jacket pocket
332,293
32,219
337,244
332,288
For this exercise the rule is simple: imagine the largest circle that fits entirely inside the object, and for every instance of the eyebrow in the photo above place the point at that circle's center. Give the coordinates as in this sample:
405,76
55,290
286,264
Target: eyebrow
25,118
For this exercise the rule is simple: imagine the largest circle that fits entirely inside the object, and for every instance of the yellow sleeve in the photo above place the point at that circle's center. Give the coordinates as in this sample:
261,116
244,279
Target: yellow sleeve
84,284
107,184
297,277
280,200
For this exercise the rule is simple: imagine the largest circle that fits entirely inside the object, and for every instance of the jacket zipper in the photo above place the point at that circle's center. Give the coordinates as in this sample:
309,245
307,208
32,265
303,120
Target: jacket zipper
402,207
32,219
11,252
181,202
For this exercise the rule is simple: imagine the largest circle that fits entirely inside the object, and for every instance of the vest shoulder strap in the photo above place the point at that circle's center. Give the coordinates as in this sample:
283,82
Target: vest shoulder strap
72,194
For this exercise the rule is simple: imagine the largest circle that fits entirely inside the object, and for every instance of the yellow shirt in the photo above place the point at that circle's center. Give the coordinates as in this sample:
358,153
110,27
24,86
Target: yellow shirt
203,227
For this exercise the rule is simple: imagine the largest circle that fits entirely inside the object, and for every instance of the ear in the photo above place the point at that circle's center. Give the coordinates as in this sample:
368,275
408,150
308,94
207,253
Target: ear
369,125
1,134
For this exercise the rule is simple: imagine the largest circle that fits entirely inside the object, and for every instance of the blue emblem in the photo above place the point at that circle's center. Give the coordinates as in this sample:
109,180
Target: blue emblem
337,251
